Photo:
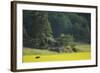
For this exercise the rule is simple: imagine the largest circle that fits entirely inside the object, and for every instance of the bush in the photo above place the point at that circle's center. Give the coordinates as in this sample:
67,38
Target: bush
66,40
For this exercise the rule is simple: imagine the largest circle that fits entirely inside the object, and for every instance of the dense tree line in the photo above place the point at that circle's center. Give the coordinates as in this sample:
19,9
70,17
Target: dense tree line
41,28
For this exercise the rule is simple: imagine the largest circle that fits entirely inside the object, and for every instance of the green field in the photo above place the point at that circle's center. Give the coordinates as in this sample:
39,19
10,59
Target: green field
59,57
83,47
30,54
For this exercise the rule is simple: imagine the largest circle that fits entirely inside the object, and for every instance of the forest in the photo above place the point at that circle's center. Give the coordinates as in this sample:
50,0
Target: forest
56,31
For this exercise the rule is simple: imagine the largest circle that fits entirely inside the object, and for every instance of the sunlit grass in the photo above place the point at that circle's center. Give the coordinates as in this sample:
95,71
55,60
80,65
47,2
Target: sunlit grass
57,57
32,51
83,47
30,54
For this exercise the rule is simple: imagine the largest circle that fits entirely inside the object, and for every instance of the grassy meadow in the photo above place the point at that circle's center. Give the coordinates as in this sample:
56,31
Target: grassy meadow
56,36
30,54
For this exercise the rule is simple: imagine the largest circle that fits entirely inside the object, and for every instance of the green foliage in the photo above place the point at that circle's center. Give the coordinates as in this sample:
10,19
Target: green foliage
65,39
43,28
73,45
76,24
40,29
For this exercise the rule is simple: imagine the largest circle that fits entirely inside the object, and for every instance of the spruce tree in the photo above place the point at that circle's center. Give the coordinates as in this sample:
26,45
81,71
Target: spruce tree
41,29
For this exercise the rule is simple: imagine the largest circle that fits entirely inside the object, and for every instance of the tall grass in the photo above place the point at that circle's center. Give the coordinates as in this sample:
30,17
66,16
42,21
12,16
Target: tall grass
33,51
83,47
